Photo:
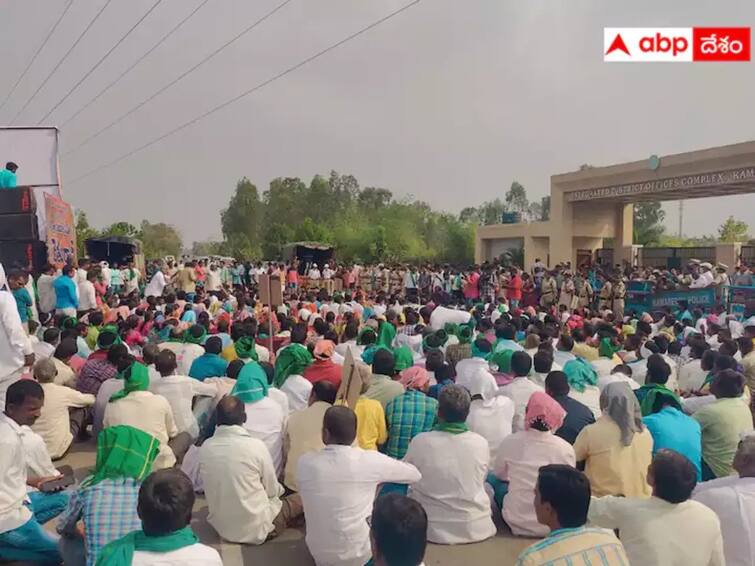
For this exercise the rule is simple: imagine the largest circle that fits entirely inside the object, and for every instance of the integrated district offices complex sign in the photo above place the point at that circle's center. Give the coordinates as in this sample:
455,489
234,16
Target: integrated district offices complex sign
700,180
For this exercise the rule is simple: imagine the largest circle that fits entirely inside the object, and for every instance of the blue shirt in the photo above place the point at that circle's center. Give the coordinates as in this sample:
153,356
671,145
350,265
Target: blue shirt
23,303
208,365
8,179
578,416
673,430
65,293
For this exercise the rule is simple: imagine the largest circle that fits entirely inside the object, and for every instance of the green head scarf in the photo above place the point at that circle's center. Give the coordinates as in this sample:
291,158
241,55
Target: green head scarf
245,348
606,349
464,335
190,338
120,552
387,335
580,374
452,328
68,323
478,353
123,452
251,384
654,392
136,378
404,358
502,360
105,331
364,332
291,360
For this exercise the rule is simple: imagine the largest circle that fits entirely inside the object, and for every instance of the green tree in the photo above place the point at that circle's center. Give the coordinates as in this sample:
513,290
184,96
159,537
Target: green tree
83,232
160,239
372,198
490,212
208,247
733,231
470,214
648,223
241,221
516,198
122,229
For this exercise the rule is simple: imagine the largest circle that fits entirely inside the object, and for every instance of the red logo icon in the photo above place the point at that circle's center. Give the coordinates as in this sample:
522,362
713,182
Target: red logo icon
721,44
618,44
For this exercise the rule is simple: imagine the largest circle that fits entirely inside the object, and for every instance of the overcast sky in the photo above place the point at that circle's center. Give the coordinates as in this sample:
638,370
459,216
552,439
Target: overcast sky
449,101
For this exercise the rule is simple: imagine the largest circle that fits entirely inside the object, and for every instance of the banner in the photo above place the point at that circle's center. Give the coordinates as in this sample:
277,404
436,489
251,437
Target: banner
61,231
701,298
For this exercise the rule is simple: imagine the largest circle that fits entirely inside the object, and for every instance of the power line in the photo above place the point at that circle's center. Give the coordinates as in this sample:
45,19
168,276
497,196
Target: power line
178,78
36,54
135,63
98,63
75,43
238,97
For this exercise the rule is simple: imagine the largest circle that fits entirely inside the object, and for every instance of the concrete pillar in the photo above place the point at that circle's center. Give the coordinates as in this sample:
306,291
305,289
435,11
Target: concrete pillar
729,254
479,247
561,238
623,233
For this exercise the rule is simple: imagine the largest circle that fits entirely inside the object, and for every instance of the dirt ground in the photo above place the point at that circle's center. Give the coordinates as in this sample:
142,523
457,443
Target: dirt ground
290,549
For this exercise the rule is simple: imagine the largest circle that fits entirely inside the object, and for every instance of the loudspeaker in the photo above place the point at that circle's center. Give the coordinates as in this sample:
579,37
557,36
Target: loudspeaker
30,255
17,201
18,227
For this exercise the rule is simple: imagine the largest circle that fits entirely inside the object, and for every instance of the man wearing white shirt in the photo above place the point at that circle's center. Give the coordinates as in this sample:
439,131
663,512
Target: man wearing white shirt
15,347
157,284
453,462
337,486
490,415
520,389
87,295
314,275
22,537
243,493
733,500
45,290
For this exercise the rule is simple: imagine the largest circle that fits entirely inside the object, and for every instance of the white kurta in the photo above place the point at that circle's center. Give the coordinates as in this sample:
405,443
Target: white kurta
337,485
243,494
195,555
266,421
733,500
655,532
492,420
519,392
452,488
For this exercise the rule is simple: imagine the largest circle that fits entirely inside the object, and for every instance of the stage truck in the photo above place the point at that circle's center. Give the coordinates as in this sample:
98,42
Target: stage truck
36,224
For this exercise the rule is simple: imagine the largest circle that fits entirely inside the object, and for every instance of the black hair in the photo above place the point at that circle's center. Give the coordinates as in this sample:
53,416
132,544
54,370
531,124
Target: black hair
521,364
341,424
234,368
566,342
66,349
325,391
674,476
675,348
728,384
269,371
21,390
399,530
384,363
299,334
662,342
567,490
506,332
623,368
543,361
434,360
556,383
213,345
51,335
724,362
658,370
166,499
116,352
166,362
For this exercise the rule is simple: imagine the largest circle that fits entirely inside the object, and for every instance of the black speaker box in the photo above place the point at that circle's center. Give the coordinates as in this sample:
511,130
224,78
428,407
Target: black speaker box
18,227
30,255
17,201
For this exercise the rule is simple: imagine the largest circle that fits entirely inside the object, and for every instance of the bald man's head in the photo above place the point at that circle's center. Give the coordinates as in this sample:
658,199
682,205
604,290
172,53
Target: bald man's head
231,411
339,426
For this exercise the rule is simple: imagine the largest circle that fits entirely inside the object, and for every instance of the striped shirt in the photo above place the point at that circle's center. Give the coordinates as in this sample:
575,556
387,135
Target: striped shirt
406,416
581,546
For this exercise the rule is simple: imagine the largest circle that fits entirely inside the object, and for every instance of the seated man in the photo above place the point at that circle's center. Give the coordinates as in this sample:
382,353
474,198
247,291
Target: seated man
209,364
382,386
242,490
166,499
520,389
137,407
398,531
733,500
667,529
22,537
411,413
578,415
106,500
64,415
562,498
722,424
105,390
337,486
452,487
